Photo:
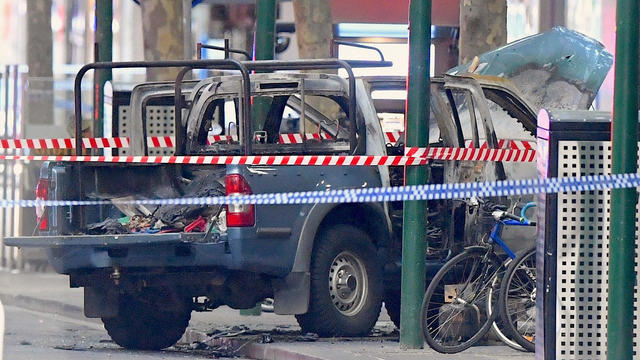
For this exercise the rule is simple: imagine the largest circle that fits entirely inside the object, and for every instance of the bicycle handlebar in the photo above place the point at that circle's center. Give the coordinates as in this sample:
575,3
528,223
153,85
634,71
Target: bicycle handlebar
514,217
527,206
501,215
499,212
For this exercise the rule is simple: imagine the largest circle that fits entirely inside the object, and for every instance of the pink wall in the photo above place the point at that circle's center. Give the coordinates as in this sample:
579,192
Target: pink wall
443,12
609,41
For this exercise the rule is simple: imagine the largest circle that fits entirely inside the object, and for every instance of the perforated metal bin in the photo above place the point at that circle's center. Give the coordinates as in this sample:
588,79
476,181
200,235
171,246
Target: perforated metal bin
573,239
157,116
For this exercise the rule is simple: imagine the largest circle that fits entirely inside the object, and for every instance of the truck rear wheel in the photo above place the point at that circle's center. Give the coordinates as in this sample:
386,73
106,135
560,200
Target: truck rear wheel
392,304
144,325
346,284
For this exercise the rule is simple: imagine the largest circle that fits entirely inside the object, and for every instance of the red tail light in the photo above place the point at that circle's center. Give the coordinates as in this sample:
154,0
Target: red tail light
42,193
239,215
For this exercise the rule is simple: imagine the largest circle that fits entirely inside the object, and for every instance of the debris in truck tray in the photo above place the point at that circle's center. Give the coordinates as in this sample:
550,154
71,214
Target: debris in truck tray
107,227
131,210
169,218
207,185
140,223
198,225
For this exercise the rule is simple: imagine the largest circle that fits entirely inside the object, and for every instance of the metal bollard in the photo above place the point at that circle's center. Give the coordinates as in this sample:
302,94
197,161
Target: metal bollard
1,328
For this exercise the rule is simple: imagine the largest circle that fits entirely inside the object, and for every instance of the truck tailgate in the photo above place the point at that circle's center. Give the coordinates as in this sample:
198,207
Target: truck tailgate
104,240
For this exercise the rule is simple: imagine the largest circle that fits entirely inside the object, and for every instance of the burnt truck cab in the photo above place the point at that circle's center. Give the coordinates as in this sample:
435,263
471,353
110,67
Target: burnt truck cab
280,251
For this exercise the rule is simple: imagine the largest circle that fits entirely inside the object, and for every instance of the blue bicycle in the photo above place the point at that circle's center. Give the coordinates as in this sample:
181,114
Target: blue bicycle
457,306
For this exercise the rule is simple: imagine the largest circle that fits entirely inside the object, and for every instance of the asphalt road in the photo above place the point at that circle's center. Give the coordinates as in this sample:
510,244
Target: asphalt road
32,335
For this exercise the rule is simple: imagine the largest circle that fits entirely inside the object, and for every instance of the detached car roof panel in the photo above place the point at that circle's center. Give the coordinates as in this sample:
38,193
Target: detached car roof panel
560,68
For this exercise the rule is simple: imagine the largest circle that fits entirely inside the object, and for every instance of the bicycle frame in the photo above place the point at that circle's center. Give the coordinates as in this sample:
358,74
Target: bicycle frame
497,230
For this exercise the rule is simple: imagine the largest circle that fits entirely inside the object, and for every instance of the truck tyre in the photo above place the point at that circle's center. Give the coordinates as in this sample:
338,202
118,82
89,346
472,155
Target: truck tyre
392,299
142,325
346,284
392,304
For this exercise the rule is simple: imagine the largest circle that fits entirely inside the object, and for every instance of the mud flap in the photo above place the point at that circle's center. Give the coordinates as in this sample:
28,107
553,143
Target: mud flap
100,303
291,294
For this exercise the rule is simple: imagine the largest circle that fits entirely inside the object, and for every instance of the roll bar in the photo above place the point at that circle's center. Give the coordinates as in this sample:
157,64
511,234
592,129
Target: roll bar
227,50
361,46
244,68
226,64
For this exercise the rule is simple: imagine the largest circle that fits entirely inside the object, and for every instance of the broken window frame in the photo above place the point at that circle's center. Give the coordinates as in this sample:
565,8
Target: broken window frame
339,144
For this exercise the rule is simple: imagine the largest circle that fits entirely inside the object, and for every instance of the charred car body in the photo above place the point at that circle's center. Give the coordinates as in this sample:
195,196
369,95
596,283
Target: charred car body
144,269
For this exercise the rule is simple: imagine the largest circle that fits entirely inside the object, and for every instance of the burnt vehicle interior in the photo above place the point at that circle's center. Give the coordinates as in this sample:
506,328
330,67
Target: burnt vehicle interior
463,113
303,115
316,108
391,110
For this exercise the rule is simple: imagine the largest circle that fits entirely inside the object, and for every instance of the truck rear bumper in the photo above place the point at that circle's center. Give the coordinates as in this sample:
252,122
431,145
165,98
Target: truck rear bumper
111,241
70,254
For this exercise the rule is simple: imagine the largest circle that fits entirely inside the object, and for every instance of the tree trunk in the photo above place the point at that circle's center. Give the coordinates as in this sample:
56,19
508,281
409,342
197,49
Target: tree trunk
314,32
39,94
552,13
483,27
37,116
163,31
314,28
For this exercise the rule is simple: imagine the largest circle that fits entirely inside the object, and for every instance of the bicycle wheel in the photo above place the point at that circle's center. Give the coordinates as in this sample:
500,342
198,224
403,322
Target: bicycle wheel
453,315
518,299
497,327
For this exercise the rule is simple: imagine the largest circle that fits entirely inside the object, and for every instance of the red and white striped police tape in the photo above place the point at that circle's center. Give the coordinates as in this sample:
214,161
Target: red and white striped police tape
509,150
505,144
311,160
297,138
472,154
64,143
168,142
413,156
123,142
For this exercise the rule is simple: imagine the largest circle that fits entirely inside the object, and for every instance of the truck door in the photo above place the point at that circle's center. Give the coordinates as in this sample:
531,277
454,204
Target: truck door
464,120
472,116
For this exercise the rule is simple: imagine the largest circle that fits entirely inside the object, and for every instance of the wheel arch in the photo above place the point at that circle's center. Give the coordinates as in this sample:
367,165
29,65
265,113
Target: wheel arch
291,294
369,217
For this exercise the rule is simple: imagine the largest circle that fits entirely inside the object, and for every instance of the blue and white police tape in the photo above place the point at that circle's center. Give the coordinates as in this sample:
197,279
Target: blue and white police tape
399,193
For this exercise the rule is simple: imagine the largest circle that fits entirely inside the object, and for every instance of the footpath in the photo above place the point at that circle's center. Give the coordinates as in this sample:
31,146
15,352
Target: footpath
264,337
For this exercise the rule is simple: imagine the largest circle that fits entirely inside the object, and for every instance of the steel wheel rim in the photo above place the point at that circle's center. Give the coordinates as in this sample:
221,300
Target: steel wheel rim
348,285
523,298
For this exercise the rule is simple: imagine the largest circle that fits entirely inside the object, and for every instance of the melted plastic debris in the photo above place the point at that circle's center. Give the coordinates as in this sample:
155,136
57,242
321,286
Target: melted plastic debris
541,89
180,216
107,227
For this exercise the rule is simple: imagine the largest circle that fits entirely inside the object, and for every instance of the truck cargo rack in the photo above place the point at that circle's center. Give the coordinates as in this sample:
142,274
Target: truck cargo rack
225,64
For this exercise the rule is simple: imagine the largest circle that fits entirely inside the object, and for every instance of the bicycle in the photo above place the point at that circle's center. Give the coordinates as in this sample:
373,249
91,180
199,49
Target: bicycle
517,301
457,306
522,297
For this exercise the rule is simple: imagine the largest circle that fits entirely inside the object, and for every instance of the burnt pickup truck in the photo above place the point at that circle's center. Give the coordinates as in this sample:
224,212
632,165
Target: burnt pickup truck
144,269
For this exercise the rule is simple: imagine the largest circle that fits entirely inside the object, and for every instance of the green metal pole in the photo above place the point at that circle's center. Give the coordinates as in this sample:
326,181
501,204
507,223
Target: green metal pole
265,42
264,49
265,30
624,140
104,41
414,243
